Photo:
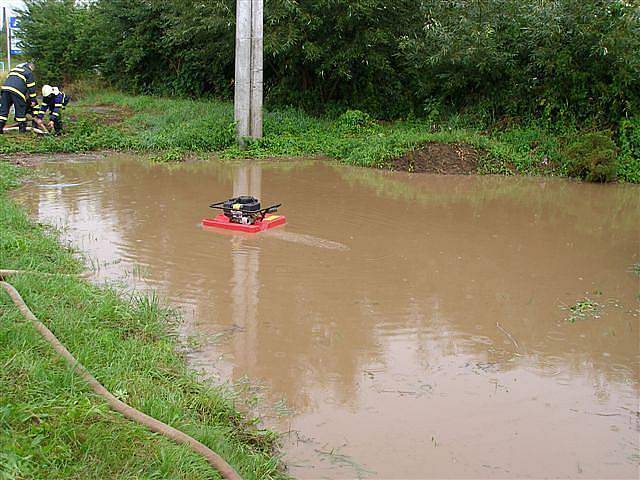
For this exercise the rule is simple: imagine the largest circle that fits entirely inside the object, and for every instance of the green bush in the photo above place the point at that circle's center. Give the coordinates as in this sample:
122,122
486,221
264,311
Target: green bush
629,158
592,157
354,121
168,156
56,36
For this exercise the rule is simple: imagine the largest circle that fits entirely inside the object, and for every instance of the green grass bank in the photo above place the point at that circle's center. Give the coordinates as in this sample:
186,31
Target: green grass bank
179,127
53,426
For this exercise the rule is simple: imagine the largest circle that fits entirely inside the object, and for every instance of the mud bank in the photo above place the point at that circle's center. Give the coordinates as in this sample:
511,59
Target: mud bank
441,158
36,159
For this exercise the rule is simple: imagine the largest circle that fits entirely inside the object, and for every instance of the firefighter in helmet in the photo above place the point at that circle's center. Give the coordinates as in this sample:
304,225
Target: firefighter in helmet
54,101
19,90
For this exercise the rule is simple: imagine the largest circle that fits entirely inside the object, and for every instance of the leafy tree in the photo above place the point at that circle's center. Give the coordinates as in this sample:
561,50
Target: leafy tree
52,36
570,60
340,51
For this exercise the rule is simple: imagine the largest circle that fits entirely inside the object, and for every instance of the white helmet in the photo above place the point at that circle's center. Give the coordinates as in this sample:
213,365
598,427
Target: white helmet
56,90
47,90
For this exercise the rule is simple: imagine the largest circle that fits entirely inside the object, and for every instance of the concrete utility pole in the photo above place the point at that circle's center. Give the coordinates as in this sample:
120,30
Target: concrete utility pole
5,17
249,66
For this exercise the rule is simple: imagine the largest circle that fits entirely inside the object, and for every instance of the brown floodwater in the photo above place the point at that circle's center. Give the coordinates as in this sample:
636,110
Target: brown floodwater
401,325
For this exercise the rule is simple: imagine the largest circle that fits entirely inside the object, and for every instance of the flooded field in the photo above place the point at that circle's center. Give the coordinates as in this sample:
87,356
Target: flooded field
400,326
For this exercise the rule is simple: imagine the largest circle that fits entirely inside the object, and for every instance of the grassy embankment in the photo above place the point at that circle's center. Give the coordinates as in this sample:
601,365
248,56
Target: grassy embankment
52,425
173,127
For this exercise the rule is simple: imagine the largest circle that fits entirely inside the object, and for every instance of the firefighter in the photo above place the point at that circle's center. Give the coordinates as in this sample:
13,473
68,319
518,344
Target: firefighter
54,101
19,90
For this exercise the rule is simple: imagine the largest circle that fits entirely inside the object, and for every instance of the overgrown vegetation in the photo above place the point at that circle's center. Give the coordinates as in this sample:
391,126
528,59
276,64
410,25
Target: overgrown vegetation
629,159
177,128
557,60
52,425
520,79
592,158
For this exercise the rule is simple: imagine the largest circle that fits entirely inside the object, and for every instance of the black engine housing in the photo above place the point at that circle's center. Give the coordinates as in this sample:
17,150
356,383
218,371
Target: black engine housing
242,209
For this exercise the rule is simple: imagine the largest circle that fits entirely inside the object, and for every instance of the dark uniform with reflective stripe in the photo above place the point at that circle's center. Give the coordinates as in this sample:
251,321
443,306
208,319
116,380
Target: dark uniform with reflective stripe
19,90
54,104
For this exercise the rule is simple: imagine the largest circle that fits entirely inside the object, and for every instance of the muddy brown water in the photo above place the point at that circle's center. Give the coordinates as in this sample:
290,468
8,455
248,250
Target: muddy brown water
400,326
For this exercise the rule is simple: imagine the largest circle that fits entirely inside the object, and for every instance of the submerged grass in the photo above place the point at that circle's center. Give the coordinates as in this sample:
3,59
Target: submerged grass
53,426
583,309
175,127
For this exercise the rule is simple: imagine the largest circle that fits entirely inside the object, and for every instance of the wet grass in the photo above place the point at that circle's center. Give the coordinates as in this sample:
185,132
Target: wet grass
178,127
52,425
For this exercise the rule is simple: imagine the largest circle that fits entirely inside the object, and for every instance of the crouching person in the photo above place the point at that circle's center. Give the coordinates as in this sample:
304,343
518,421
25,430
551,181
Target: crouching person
54,101
19,90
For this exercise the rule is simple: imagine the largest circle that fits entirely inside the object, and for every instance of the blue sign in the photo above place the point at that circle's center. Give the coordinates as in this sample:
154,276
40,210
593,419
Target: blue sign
14,25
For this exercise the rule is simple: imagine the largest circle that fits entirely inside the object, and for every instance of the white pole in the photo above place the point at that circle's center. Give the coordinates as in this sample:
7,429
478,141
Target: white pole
242,87
248,69
6,24
256,67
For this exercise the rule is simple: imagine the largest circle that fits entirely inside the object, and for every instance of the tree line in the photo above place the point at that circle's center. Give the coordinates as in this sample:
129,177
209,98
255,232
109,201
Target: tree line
576,60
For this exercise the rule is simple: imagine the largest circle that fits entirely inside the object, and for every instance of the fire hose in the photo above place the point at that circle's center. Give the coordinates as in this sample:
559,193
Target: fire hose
129,412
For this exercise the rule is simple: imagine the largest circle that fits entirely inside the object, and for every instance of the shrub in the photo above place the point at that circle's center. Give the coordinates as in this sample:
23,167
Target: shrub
354,121
629,159
592,157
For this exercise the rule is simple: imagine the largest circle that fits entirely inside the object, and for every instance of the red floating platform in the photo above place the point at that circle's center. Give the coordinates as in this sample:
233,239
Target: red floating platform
221,221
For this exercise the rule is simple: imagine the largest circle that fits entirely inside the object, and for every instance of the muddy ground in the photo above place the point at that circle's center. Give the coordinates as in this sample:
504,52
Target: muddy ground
107,114
35,159
442,158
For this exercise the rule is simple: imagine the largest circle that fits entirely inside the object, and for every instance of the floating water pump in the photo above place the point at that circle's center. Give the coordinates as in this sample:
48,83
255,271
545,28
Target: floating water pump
244,214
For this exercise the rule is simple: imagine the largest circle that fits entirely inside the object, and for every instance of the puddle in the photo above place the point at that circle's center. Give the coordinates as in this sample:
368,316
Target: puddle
402,326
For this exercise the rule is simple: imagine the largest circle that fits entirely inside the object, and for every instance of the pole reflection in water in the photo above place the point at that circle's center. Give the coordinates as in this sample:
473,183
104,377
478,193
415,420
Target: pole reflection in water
245,290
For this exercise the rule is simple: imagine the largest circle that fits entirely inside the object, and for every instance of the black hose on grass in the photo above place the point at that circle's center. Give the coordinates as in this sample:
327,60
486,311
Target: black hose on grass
131,413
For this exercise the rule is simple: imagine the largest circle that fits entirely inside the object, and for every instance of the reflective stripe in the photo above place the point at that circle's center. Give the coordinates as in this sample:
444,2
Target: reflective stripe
15,90
33,95
22,119
30,84
54,114
57,105
3,118
16,74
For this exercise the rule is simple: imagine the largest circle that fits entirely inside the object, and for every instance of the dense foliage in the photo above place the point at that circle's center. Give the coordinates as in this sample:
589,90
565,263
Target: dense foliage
576,60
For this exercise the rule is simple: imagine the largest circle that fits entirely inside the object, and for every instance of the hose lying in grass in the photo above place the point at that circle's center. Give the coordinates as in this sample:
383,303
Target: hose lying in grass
131,413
